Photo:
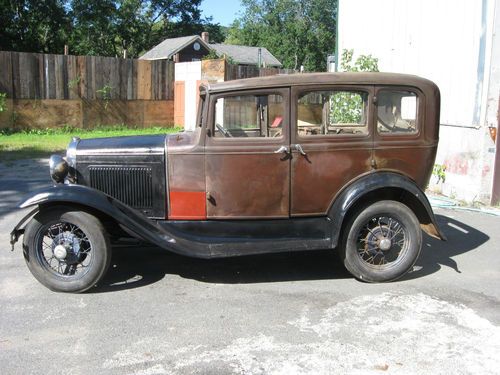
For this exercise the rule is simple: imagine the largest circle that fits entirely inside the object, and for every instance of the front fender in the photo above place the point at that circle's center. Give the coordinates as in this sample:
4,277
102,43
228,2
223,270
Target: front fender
375,185
132,219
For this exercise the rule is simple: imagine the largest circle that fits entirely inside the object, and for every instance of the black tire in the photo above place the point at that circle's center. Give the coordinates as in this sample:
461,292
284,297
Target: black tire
365,251
86,249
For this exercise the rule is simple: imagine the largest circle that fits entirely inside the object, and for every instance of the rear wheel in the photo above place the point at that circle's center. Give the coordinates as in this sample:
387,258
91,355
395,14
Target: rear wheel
382,242
66,250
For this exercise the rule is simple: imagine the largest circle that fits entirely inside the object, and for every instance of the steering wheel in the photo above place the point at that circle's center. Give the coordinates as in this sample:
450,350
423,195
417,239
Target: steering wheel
223,131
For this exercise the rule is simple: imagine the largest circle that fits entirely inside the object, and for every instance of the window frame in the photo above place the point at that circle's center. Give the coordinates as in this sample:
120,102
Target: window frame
284,92
419,115
299,91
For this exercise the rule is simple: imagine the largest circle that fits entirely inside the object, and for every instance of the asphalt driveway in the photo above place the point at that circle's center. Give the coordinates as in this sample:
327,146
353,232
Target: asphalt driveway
158,313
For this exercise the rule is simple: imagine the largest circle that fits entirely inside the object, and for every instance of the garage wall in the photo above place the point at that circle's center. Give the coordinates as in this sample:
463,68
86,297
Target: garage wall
451,43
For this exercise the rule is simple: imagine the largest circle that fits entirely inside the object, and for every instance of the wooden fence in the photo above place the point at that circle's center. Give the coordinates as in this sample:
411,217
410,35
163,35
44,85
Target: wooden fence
249,71
44,76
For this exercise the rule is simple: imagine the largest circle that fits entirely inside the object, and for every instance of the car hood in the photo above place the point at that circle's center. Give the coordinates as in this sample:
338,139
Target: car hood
136,145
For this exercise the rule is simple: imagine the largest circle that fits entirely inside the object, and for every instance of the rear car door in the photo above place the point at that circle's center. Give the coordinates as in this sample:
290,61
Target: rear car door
332,141
247,163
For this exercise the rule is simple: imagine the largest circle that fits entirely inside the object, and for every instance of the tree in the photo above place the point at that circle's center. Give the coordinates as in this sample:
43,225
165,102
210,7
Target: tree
99,27
107,27
364,63
33,25
298,33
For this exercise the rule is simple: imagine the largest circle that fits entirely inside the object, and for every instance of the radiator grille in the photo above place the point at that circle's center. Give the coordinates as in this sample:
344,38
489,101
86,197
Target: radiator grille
131,185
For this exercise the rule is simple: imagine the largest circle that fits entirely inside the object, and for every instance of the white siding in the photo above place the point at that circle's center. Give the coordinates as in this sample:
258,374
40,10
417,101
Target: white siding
439,40
450,43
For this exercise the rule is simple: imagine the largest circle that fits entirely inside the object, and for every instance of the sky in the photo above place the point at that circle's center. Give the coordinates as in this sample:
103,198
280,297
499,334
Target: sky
222,11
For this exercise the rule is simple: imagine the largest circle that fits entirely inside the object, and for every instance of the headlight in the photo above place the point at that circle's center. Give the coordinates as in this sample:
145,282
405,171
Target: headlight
71,152
58,168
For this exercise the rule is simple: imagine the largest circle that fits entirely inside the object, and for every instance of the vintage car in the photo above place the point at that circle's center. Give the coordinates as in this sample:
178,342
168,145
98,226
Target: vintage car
276,164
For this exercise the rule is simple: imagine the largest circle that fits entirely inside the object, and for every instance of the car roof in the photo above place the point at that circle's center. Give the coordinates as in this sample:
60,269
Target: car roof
347,78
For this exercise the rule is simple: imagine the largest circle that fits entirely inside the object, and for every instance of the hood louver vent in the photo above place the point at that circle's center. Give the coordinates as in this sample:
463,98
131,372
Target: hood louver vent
131,185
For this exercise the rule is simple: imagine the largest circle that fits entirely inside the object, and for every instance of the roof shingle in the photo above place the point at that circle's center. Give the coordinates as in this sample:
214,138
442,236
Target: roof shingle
244,55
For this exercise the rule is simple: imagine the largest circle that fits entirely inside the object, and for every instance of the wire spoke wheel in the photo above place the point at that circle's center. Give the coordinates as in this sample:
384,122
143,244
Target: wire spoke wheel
65,249
382,241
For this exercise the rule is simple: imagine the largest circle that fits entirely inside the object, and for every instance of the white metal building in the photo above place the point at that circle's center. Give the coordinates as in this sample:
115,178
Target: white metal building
456,44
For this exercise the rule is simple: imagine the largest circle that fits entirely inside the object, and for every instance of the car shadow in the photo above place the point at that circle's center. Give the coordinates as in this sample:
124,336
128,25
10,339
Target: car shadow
134,267
461,238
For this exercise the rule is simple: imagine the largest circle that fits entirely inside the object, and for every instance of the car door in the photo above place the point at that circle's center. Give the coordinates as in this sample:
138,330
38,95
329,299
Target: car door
332,141
247,160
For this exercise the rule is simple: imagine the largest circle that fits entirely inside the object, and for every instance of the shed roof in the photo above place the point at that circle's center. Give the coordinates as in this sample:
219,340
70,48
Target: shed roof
171,46
244,55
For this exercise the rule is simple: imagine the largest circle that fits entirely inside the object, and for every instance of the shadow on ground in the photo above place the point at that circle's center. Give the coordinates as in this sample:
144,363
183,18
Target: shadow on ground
20,177
461,237
134,267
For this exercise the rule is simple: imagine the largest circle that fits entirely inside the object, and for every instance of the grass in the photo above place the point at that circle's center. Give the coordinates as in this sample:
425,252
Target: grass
35,143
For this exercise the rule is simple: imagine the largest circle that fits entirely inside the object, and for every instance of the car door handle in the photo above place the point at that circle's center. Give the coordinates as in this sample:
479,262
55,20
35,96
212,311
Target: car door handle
282,149
299,148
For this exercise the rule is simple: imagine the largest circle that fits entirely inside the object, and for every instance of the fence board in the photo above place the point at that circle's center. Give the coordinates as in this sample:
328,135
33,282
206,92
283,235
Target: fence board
46,76
249,71
6,75
16,89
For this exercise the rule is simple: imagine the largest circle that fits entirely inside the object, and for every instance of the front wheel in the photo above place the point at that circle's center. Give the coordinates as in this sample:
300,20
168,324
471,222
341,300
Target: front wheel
382,242
66,250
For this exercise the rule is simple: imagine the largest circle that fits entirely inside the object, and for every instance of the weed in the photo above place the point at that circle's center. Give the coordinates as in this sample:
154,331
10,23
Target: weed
3,102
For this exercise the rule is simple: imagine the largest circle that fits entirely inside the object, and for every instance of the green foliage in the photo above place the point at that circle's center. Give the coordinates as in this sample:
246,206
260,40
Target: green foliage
69,130
346,107
3,102
105,94
364,63
297,32
74,82
30,143
212,55
99,27
439,171
33,25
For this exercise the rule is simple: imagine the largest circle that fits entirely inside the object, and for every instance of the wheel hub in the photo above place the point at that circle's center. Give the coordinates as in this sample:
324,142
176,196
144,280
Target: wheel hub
60,252
66,247
385,244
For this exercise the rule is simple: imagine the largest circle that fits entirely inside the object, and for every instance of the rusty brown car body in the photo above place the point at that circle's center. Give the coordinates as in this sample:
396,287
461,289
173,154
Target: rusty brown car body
284,163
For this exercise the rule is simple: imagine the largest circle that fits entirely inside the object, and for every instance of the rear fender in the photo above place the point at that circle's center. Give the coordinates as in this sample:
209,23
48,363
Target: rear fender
379,186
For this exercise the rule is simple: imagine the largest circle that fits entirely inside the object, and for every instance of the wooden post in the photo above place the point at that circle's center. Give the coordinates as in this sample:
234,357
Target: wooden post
66,49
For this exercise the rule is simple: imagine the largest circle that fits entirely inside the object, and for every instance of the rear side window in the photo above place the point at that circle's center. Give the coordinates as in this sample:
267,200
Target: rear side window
397,112
322,113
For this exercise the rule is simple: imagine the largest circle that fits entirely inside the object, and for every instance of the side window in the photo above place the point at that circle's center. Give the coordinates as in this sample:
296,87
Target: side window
332,112
396,112
249,116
